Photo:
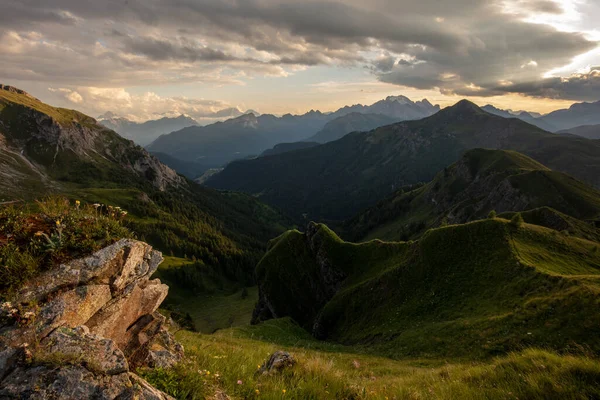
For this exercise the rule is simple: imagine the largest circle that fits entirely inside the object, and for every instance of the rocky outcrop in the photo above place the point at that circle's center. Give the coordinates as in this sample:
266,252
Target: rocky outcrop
276,363
50,138
79,330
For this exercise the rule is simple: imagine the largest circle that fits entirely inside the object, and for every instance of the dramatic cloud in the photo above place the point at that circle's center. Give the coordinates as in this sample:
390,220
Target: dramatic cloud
97,101
464,47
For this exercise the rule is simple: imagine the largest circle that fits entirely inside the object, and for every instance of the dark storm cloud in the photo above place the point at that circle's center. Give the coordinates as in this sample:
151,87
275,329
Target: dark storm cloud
460,46
583,86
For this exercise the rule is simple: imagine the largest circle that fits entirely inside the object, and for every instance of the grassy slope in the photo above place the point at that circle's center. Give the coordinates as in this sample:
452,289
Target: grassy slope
452,194
470,290
215,363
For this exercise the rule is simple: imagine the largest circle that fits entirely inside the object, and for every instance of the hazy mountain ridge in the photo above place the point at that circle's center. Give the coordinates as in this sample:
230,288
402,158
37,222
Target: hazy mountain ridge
340,178
249,135
353,122
145,132
522,115
576,115
586,131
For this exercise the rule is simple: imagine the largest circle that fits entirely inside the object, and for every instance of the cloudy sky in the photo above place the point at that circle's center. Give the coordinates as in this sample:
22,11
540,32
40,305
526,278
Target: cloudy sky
144,58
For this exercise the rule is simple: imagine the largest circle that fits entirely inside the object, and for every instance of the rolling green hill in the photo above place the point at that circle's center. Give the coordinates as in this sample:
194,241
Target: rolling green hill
46,150
339,179
473,290
481,181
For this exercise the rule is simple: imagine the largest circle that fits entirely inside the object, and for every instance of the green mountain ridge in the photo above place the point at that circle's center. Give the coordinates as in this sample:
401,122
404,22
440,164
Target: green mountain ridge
482,288
336,180
481,181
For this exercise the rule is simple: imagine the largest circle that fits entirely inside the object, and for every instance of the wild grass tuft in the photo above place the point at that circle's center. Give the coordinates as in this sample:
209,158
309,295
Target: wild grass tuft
37,237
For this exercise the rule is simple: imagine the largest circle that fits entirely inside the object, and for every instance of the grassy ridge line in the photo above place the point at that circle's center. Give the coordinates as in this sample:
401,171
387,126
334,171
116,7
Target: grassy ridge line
460,291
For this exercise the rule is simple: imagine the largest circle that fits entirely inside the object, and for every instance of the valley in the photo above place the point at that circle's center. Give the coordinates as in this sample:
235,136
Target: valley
455,255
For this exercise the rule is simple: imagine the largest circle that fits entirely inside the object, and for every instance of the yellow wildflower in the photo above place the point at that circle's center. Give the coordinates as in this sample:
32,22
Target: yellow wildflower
257,391
58,222
283,391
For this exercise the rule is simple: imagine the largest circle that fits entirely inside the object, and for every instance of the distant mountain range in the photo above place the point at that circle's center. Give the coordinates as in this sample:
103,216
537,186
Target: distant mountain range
353,122
250,135
576,115
586,131
338,179
522,115
144,133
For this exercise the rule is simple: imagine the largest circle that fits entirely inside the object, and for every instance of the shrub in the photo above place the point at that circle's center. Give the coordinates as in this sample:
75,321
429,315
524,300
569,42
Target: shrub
517,220
492,214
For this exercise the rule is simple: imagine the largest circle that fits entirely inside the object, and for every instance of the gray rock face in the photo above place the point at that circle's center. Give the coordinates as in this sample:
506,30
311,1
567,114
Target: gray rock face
89,322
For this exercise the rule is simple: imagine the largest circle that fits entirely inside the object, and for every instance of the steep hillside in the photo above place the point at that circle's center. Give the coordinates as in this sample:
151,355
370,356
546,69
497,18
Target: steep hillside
338,179
145,132
51,150
353,122
71,146
481,181
483,288
586,131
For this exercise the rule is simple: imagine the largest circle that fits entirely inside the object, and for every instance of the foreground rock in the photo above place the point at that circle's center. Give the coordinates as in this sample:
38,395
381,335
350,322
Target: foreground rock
278,361
78,331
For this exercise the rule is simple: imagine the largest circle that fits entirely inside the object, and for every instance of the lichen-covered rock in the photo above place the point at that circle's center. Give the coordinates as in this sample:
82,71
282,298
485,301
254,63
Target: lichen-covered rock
63,383
72,308
277,362
88,322
114,320
96,353
117,265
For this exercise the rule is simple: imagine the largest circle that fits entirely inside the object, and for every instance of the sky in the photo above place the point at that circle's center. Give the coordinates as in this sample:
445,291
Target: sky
143,59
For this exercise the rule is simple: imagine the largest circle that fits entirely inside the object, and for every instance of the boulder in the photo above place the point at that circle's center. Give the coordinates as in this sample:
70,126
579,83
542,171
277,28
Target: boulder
79,329
276,363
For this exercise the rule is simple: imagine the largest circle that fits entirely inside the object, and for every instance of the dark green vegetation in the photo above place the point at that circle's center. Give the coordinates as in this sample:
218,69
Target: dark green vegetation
287,147
338,179
62,151
40,236
353,122
475,290
481,181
